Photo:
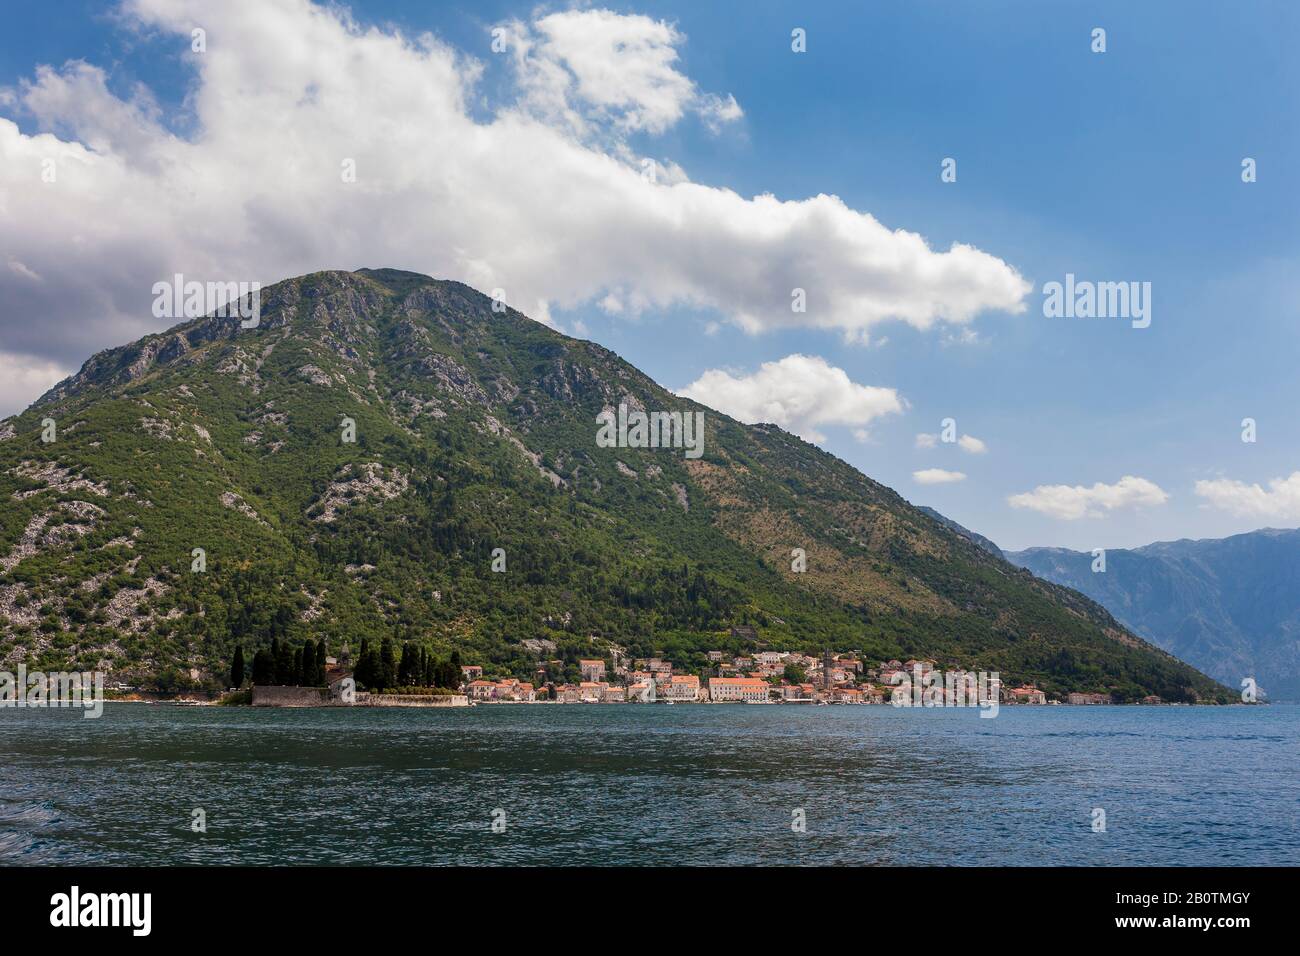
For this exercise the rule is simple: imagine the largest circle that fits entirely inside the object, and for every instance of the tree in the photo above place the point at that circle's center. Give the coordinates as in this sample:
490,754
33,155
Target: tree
309,664
365,673
263,668
286,671
237,667
320,661
408,671
375,667
388,664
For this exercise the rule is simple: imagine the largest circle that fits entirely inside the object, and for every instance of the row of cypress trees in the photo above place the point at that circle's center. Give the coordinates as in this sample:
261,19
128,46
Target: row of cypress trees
283,664
381,666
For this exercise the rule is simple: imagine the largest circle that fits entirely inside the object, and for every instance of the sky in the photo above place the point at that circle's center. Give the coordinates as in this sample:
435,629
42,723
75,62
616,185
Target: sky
844,218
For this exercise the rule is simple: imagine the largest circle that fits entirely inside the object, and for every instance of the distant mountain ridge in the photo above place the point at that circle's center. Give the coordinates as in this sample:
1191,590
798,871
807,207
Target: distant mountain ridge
203,492
1230,606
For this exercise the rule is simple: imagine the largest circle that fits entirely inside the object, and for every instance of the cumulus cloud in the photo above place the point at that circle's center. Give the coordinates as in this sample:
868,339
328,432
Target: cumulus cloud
541,196
586,68
1280,501
800,393
936,476
1071,502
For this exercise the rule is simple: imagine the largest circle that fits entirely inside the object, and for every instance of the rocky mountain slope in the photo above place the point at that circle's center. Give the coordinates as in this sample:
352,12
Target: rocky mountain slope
474,431
947,522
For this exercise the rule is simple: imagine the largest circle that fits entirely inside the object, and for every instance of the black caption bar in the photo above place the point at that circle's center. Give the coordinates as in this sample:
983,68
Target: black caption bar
138,906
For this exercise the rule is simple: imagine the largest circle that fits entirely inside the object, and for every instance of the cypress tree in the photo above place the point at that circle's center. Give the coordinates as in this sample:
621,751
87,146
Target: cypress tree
263,668
388,664
404,664
284,670
361,673
237,667
309,664
376,667
320,661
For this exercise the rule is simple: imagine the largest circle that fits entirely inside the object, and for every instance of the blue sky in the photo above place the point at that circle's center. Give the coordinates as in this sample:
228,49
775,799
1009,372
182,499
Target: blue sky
1115,166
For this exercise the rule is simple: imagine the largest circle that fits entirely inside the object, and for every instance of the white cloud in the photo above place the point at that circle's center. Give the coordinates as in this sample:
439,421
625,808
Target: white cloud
937,476
585,67
965,336
799,393
967,443
551,209
1071,502
1281,501
716,110
24,378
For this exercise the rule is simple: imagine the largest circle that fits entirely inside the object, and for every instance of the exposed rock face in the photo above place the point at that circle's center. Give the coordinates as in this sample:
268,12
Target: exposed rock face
236,502
53,478
368,482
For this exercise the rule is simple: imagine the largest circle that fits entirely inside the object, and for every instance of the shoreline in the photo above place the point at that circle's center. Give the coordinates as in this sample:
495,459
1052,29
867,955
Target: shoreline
190,702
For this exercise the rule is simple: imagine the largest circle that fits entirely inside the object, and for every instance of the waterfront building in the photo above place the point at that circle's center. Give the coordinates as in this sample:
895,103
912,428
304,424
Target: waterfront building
747,689
682,687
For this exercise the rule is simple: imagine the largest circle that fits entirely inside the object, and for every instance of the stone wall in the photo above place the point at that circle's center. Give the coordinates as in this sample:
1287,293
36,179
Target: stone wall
264,696
320,697
416,700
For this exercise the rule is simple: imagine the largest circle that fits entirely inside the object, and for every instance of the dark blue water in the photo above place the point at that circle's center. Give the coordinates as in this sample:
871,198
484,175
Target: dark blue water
652,785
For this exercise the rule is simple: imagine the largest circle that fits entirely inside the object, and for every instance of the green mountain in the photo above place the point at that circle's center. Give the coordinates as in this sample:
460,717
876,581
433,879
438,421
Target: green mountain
1228,605
475,430
947,522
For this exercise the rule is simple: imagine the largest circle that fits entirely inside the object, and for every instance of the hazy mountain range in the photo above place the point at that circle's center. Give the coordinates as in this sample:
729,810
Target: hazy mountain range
1230,606
385,454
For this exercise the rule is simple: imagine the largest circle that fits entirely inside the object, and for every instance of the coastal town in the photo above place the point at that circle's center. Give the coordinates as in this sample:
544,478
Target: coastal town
760,677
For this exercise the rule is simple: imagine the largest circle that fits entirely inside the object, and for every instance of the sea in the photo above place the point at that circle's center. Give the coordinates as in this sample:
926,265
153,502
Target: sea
654,785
